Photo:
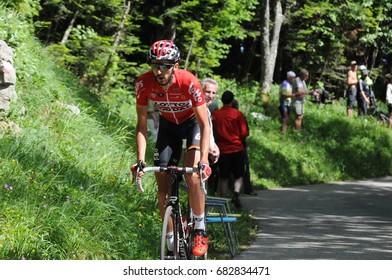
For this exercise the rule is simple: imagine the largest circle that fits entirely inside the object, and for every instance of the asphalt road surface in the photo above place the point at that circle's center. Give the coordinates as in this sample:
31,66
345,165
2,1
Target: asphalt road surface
335,221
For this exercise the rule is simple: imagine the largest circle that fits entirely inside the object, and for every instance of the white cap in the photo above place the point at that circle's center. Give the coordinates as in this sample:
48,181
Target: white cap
362,67
291,74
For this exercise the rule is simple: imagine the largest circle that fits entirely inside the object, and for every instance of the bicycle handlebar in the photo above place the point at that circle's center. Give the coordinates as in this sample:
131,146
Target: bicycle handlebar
173,170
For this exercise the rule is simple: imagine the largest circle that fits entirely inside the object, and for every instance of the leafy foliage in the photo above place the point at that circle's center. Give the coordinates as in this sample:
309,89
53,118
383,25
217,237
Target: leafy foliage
28,8
325,34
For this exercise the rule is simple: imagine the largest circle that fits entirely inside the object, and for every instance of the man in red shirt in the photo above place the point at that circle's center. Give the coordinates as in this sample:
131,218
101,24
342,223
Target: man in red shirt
230,131
178,96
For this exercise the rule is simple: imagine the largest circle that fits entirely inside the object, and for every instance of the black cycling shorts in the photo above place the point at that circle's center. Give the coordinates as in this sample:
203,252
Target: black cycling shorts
170,137
232,164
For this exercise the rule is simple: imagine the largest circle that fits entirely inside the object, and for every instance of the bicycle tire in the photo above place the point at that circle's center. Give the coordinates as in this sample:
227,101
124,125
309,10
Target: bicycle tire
166,219
190,237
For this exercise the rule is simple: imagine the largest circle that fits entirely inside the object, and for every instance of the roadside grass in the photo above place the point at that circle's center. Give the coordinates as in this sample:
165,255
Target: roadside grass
330,147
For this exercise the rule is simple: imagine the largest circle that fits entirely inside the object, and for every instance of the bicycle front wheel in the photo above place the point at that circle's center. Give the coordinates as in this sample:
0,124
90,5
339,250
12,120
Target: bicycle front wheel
166,220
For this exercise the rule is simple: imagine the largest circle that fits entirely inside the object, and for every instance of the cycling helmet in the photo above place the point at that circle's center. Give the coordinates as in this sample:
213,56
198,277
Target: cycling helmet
163,50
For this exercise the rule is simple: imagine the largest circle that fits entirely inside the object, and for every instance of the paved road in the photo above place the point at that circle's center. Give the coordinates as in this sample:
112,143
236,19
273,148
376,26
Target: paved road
336,221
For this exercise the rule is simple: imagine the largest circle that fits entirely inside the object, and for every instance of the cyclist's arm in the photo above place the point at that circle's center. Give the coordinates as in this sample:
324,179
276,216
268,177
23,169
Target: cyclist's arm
202,120
141,132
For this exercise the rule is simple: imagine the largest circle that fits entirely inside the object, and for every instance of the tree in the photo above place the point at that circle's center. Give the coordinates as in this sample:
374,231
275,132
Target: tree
117,38
269,43
324,35
200,28
94,38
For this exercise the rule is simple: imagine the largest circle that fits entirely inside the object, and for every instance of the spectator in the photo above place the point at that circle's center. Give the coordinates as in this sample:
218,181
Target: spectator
230,131
286,93
369,82
363,95
389,97
352,82
247,184
300,90
210,88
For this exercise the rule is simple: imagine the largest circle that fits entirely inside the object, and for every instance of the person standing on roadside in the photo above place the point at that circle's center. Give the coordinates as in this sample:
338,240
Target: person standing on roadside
389,97
247,183
352,82
286,93
363,95
300,90
210,88
230,131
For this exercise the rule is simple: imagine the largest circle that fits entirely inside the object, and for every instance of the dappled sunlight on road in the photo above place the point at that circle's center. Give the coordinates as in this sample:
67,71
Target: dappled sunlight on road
350,220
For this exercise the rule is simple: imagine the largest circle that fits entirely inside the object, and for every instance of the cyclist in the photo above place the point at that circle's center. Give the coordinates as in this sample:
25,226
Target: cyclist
180,101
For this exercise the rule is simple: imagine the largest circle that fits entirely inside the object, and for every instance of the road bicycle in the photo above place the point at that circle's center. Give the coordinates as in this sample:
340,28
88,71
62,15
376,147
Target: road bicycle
182,221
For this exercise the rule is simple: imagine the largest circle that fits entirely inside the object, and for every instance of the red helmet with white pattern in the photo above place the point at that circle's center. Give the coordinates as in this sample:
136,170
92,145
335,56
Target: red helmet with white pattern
163,50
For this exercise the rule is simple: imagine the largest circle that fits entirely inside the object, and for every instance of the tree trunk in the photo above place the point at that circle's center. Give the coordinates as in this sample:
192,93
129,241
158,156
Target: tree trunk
245,77
269,45
69,29
119,34
189,53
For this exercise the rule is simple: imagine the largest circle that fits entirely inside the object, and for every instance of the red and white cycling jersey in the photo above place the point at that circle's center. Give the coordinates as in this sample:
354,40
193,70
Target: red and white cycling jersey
176,104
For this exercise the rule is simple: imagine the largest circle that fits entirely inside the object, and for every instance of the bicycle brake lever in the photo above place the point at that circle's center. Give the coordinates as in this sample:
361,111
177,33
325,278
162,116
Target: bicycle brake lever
139,167
202,183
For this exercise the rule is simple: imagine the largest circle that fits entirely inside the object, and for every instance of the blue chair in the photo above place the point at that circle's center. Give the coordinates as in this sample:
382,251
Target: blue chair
222,215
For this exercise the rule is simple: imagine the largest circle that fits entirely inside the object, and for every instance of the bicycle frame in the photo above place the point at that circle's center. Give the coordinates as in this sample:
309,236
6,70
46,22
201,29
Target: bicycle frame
181,244
182,232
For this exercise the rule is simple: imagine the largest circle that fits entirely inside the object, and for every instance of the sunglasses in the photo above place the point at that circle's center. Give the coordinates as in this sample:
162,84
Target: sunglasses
162,67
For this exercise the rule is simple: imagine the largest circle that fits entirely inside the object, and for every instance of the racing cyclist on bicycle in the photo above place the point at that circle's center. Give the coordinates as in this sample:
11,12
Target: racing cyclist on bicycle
180,101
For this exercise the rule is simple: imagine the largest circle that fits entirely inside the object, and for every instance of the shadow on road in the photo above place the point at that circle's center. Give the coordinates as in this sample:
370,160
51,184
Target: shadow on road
342,220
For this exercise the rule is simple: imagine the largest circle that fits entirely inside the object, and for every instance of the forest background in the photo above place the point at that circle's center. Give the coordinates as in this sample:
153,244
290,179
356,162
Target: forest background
105,42
67,191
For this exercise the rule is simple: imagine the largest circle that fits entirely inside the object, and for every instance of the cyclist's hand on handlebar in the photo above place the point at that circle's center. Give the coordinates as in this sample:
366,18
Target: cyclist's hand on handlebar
137,170
206,170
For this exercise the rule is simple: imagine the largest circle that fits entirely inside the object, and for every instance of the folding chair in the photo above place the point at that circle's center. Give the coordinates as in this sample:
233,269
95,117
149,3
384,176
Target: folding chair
221,205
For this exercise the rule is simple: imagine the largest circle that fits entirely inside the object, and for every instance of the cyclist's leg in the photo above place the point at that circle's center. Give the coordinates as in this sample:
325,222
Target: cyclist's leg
191,159
197,203
196,197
